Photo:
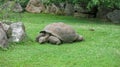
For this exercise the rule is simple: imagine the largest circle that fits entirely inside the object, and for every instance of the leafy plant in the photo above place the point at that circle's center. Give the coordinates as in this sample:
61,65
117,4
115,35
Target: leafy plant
90,3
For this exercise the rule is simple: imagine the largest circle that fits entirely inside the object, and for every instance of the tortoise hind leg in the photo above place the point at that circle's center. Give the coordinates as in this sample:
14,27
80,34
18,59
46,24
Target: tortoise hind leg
54,40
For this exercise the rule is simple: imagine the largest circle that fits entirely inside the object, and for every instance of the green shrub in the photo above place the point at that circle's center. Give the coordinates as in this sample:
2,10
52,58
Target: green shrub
22,2
90,3
1,2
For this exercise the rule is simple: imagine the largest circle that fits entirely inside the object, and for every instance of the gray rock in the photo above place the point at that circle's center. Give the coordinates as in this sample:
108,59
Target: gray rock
54,9
80,11
62,5
69,9
114,16
78,8
47,10
17,8
103,11
11,32
35,6
16,32
5,26
13,6
3,37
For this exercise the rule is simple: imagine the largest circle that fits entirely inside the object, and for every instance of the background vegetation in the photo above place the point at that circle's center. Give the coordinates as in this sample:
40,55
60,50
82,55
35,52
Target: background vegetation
89,3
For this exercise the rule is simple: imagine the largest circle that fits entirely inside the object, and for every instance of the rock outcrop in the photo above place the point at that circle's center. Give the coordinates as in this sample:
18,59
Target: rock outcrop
3,37
11,32
35,6
69,9
114,16
12,6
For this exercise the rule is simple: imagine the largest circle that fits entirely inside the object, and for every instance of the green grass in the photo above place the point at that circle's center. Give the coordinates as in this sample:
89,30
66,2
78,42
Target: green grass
101,47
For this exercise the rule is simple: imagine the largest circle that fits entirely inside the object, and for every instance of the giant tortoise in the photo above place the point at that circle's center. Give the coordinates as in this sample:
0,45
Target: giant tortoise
57,33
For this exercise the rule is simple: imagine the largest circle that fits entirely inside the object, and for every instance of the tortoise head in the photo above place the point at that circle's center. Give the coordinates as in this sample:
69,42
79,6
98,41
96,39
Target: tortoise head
42,37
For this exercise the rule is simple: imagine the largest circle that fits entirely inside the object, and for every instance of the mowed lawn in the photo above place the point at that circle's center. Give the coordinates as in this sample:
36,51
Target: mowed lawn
101,48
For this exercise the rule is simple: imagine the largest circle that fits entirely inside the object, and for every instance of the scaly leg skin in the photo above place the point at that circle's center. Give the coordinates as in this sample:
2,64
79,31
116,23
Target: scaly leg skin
54,40
44,39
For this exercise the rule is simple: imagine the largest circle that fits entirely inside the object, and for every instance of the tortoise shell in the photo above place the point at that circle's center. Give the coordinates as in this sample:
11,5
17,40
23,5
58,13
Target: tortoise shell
61,30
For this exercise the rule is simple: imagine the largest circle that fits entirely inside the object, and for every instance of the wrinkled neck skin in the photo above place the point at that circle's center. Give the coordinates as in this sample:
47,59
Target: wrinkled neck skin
47,36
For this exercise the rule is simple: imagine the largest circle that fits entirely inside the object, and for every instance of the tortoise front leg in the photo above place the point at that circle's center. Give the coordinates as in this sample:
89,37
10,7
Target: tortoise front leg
43,39
54,40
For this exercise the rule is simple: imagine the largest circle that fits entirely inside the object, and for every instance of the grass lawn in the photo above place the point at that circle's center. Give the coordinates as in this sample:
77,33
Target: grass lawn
101,47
